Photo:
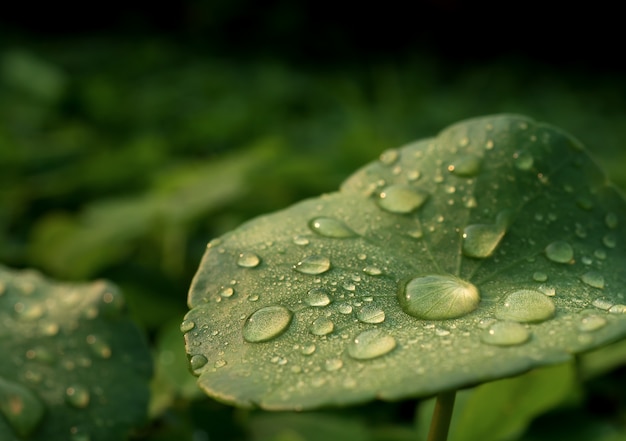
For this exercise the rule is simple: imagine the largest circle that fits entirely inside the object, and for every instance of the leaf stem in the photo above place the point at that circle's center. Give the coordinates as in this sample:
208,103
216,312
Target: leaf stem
442,415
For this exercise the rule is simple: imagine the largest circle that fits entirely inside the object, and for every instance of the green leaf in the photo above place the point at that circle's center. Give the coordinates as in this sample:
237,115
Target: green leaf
73,366
306,427
489,250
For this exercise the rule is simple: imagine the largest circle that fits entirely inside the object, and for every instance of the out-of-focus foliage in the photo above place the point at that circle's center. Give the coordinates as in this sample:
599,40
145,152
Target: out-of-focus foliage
121,158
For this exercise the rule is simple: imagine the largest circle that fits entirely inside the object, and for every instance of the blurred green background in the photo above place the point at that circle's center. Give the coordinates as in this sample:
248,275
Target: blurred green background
132,133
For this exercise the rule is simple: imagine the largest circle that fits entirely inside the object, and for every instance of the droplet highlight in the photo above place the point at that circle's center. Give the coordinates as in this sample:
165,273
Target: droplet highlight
266,323
401,199
526,306
371,344
438,297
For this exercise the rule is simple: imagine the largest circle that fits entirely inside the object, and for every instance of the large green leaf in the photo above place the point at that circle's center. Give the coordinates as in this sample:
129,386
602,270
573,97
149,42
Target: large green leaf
73,366
489,250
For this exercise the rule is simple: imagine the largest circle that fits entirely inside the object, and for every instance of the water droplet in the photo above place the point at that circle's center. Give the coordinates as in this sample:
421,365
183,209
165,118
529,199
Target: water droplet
593,279
609,240
322,326
77,396
344,308
585,203
523,160
248,260
317,297
438,297
266,323
219,363
333,364
602,303
560,252
307,349
29,310
99,347
41,354
600,254
505,334
313,265
197,362
300,240
489,145
372,271
371,344
21,408
371,314
329,227
611,220
388,157
465,166
526,306
617,309
401,199
591,323
227,292
539,276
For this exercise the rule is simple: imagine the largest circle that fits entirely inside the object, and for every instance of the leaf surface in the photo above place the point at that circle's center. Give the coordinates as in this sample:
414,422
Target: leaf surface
494,248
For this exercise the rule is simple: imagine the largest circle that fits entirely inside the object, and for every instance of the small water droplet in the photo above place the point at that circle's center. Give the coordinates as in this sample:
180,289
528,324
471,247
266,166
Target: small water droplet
526,306
313,265
438,297
413,175
266,323
22,409
593,279
322,326
307,349
77,396
99,347
371,314
219,363
617,309
523,160
317,297
611,220
333,364
560,252
602,303
28,310
344,308
372,271
505,334
329,227
465,166
600,254
471,202
371,344
197,362
609,241
248,260
41,354
253,297
591,323
388,157
539,276
227,292
401,199
301,240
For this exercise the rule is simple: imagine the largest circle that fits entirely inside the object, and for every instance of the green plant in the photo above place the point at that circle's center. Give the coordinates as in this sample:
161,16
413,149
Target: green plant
488,251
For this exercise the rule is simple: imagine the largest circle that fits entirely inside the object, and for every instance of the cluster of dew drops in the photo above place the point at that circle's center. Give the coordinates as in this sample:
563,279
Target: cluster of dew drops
437,296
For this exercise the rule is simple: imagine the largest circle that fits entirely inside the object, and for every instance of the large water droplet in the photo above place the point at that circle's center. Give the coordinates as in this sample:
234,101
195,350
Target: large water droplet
481,240
313,265
77,396
317,297
266,323
591,323
560,252
248,260
401,199
593,279
526,306
21,408
197,361
322,326
465,166
611,220
438,297
187,325
370,344
371,314
505,334
523,160
329,227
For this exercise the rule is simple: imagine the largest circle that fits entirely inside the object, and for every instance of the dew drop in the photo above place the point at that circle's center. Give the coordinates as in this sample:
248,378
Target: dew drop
617,309
333,364
322,326
248,260
438,297
77,396
22,409
591,323
609,241
344,308
401,199
372,271
526,306
465,166
539,276
99,347
560,252
29,310
314,264
611,220
300,240
602,303
523,160
505,334
600,254
227,292
388,157
481,240
219,363
266,323
317,297
371,344
197,362
593,279
329,227
307,349
371,314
